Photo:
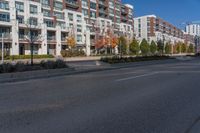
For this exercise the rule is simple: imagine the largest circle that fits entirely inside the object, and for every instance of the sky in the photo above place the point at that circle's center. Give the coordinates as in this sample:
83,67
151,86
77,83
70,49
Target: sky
176,12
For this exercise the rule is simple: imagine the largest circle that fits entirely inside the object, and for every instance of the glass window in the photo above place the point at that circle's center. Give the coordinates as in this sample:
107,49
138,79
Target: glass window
84,3
33,21
85,12
46,13
49,23
33,9
79,38
5,17
4,5
70,16
92,14
59,15
93,5
58,5
20,19
19,6
46,3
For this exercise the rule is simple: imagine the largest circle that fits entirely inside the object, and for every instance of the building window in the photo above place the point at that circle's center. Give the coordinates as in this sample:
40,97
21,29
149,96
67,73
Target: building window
49,23
79,18
20,19
84,3
4,5
5,17
58,5
79,28
33,9
92,14
19,6
70,16
33,21
46,13
46,3
59,15
85,12
79,38
93,5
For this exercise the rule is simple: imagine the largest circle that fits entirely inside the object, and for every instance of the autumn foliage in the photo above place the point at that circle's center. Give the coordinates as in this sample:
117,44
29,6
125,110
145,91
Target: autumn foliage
108,40
71,41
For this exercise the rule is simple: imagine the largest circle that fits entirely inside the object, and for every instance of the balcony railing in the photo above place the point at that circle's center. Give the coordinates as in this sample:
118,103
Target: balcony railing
72,3
51,38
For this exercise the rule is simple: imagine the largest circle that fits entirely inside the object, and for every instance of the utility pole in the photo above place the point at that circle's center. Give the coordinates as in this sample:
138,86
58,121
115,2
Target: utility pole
2,46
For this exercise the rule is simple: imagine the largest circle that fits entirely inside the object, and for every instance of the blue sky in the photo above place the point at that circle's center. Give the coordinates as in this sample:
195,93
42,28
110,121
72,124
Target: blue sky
174,11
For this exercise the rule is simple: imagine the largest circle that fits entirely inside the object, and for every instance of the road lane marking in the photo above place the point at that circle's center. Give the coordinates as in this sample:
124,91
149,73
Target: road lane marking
138,76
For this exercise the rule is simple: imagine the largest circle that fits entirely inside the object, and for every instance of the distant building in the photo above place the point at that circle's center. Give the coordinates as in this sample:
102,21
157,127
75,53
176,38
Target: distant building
151,27
193,29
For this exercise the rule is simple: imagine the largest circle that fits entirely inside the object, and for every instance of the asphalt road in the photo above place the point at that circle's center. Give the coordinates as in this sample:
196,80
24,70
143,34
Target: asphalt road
160,98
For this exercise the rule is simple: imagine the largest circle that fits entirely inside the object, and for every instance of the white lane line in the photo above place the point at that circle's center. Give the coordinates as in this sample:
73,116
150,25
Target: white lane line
138,76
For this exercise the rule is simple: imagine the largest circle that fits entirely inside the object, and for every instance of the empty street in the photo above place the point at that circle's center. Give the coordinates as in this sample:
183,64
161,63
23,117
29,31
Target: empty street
159,98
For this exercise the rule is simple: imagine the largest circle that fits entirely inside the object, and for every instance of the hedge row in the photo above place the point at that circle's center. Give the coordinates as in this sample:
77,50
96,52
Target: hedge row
72,53
117,59
21,67
16,57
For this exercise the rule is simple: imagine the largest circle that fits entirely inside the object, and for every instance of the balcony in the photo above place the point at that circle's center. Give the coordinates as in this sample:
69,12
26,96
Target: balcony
72,3
7,37
124,12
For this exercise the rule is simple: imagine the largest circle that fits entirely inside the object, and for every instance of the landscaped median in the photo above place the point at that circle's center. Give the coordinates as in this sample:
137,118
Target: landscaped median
23,71
118,59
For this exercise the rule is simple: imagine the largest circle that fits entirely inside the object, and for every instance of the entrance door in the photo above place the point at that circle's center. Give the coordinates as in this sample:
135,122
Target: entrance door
21,49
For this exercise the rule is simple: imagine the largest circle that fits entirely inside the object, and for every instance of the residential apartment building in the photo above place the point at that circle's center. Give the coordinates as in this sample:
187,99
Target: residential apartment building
49,23
193,28
154,28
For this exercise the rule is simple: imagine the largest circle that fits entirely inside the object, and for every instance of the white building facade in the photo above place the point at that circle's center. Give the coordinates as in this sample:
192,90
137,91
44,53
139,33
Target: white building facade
49,23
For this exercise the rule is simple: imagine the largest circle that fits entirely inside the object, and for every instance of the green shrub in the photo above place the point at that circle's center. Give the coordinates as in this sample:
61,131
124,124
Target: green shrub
191,48
134,47
144,47
168,48
21,67
16,57
72,53
116,59
153,47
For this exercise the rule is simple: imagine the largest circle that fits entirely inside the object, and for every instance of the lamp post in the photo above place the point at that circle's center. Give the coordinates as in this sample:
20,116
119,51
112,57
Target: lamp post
2,46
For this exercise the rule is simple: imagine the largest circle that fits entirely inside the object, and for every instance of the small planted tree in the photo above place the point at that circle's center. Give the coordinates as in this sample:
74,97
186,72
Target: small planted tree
183,48
178,48
134,47
191,48
160,46
153,47
168,48
122,45
144,47
71,41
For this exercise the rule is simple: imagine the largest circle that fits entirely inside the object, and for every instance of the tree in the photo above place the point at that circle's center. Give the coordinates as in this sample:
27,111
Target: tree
183,48
160,46
71,41
178,47
153,47
144,47
122,45
191,48
134,47
168,48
